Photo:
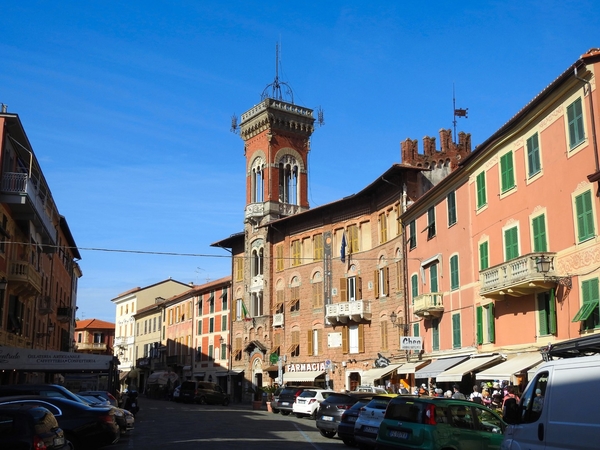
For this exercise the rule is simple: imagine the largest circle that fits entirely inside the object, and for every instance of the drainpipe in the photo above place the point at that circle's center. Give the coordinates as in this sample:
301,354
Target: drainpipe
594,143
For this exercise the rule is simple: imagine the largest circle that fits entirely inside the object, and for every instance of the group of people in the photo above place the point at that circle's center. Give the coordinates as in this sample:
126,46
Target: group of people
493,395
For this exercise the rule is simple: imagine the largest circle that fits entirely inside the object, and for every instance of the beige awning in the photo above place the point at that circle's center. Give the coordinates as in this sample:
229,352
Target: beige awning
302,376
516,364
470,365
411,367
370,376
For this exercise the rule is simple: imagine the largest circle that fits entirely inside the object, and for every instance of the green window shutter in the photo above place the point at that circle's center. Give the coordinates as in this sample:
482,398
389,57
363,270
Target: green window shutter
589,293
454,279
456,331
415,329
539,234
585,216
511,242
533,155
483,256
435,332
451,201
414,282
413,234
479,312
575,119
543,313
552,312
433,278
481,195
507,172
491,323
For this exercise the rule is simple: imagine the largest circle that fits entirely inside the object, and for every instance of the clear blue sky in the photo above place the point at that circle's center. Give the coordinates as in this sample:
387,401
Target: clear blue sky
128,106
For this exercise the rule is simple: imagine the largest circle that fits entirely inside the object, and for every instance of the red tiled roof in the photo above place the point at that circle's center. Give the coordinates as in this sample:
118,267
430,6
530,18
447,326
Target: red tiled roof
94,324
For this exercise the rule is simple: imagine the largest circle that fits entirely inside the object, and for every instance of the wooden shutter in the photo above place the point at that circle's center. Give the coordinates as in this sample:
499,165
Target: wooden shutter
384,335
376,282
539,234
234,310
309,336
343,290
359,288
361,338
552,312
480,185
543,313
320,341
345,343
456,341
479,312
491,323
386,281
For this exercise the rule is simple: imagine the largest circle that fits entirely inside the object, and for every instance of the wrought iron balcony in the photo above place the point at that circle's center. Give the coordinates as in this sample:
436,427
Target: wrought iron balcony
278,320
516,278
430,304
345,312
64,314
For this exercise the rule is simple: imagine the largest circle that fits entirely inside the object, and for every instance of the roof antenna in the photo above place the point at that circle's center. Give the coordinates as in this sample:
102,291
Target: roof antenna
277,90
457,112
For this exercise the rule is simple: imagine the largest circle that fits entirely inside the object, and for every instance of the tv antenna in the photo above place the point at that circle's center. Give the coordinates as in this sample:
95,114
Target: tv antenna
277,90
458,112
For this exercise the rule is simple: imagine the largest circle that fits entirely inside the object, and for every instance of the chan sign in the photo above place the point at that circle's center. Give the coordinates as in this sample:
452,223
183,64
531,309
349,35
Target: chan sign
411,343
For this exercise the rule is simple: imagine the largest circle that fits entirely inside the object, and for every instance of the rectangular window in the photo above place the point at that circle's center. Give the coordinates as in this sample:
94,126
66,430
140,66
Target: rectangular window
456,342
224,322
589,312
433,277
435,334
511,244
279,258
485,324
211,325
317,247
239,268
383,228
317,291
575,121
296,252
295,298
223,351
454,278
352,238
210,353
414,284
480,187
431,223
585,216
484,262
533,156
507,172
199,327
538,226
412,234
546,313
451,202
415,329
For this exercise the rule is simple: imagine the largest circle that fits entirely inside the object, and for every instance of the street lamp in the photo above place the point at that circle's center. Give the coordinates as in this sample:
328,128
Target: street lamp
403,326
545,264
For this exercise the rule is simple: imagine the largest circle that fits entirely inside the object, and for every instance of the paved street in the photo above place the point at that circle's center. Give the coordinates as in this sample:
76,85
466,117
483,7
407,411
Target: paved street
168,425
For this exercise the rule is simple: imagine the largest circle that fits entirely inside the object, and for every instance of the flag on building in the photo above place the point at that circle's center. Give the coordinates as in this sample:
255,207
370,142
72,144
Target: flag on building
245,312
343,248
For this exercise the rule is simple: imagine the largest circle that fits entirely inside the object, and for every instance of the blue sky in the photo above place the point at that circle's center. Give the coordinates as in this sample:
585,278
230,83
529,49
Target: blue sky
128,106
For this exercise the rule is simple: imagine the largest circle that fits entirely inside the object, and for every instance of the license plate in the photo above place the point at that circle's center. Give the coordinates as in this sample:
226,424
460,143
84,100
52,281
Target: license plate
59,441
371,430
285,403
351,419
398,434
327,418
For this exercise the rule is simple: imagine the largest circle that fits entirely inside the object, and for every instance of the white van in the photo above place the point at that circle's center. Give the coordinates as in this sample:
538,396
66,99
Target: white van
560,408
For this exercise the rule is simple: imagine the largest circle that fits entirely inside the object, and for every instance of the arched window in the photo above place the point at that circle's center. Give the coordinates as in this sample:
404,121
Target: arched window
257,261
257,180
288,180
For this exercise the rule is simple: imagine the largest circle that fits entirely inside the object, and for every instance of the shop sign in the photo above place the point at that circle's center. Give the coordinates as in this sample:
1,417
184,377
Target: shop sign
411,343
306,367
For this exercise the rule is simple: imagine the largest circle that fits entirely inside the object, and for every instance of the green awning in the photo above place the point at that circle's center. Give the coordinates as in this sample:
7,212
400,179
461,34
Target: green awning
584,312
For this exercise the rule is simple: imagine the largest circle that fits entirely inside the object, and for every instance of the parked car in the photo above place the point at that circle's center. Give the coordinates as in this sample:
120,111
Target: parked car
331,410
372,389
345,429
307,403
287,397
29,427
84,426
104,394
203,392
434,423
369,418
123,418
275,400
176,394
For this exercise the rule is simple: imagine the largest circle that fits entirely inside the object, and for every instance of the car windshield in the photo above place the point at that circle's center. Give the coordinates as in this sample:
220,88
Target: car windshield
309,394
405,411
378,403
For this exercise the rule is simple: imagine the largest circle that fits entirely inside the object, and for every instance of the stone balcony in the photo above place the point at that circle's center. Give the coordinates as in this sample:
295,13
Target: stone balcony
345,312
516,278
428,305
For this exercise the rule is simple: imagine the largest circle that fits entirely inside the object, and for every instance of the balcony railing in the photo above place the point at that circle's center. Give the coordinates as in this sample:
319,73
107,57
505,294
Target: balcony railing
345,312
64,314
278,320
15,186
430,304
130,340
27,279
515,278
119,341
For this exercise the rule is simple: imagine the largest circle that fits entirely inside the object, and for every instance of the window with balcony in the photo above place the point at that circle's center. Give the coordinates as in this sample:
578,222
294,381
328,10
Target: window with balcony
511,243
538,230
456,335
546,313
575,123
480,190
585,216
507,172
454,273
451,204
534,164
433,278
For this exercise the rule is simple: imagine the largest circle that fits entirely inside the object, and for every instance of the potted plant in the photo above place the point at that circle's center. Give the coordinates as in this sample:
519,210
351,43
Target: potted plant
269,390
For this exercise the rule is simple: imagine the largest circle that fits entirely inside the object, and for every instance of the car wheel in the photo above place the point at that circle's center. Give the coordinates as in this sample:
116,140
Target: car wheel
226,402
71,442
349,442
202,400
275,411
285,413
327,434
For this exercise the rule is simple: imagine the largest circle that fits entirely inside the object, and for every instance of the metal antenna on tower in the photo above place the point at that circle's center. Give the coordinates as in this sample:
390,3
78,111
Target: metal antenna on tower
457,112
278,89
